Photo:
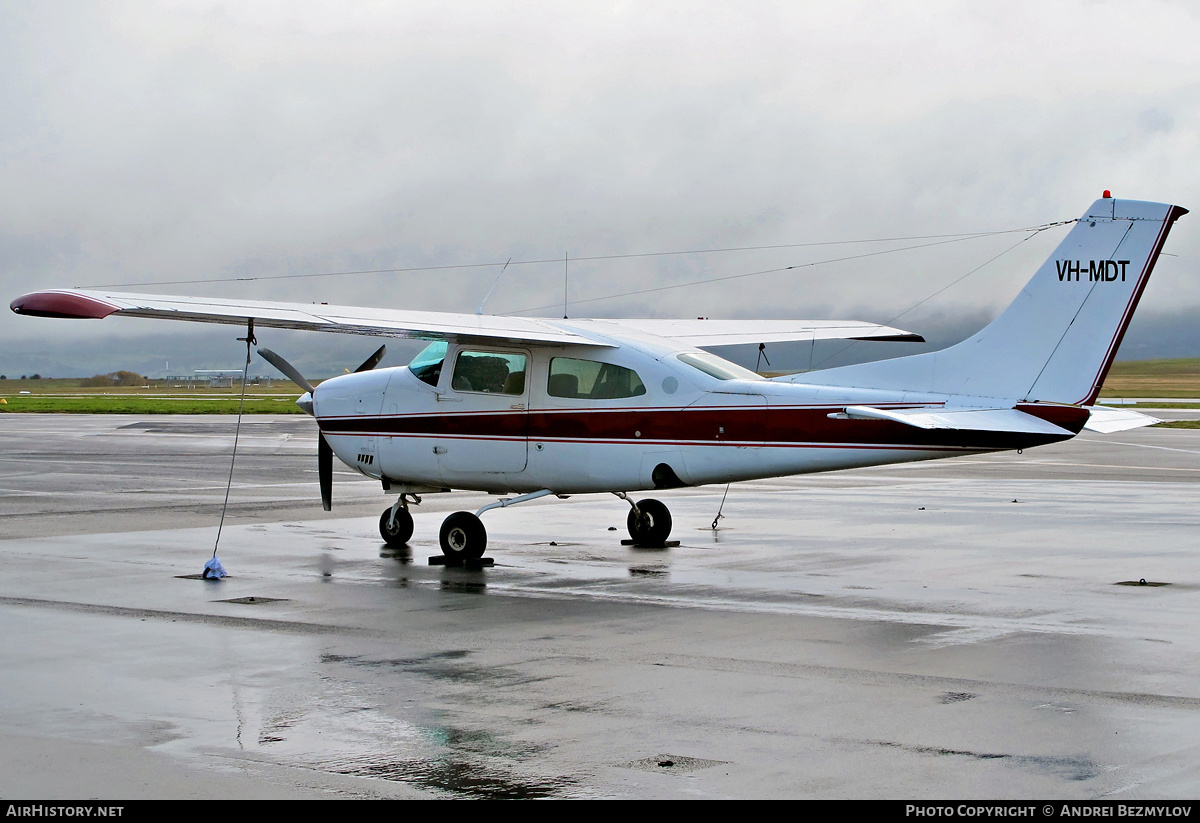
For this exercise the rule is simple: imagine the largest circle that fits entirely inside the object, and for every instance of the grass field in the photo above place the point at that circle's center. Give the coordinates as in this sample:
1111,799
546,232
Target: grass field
1140,378
1154,378
68,396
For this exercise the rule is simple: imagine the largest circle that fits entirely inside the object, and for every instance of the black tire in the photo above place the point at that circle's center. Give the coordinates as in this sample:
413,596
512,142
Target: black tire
400,533
463,537
653,526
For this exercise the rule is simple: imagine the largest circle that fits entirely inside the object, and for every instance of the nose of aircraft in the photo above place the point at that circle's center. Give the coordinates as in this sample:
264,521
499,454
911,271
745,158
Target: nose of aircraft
324,450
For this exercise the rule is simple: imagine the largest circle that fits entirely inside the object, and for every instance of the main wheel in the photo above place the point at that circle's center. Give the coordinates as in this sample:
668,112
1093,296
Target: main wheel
463,537
399,532
650,524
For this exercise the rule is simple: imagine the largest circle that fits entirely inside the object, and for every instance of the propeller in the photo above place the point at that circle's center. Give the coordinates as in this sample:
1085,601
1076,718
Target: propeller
325,471
372,361
288,369
324,450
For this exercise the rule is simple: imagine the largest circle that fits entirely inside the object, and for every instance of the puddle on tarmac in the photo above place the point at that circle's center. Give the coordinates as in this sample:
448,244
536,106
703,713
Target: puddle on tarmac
344,733
955,697
463,586
460,776
671,764
1068,768
449,665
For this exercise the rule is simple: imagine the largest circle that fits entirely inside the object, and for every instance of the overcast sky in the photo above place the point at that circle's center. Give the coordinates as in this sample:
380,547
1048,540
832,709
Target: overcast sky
150,142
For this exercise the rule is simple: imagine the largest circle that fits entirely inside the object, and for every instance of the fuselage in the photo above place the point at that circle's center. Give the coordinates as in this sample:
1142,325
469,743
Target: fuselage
629,416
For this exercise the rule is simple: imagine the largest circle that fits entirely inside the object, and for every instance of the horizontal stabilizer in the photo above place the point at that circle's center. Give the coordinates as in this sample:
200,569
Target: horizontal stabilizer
1107,421
979,420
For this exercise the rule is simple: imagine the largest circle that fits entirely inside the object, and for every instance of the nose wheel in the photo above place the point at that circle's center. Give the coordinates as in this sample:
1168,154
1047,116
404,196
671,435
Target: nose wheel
395,526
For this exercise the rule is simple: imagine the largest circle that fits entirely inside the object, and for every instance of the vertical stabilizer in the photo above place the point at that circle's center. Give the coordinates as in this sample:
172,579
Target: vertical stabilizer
1057,339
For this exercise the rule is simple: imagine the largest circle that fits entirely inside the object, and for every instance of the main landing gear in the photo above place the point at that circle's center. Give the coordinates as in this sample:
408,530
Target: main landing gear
649,524
463,537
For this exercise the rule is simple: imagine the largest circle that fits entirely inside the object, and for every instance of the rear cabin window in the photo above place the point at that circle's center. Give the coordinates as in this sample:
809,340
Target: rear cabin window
489,372
591,380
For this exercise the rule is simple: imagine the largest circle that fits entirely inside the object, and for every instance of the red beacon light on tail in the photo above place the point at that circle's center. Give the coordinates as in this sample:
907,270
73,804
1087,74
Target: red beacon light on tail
1107,194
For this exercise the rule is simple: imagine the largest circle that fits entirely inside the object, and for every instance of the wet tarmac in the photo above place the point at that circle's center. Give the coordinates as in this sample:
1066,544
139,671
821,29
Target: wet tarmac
973,628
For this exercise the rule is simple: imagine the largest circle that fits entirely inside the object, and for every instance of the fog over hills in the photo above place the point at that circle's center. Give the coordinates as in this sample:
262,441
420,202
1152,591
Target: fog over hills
866,160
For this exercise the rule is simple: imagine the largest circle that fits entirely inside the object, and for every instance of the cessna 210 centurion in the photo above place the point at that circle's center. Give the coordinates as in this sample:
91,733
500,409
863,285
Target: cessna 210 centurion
538,406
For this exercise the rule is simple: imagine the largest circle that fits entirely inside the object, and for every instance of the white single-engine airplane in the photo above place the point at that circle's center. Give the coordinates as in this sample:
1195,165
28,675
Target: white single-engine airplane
537,406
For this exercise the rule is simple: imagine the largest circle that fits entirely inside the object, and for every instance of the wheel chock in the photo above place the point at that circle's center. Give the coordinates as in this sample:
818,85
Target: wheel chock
666,544
442,560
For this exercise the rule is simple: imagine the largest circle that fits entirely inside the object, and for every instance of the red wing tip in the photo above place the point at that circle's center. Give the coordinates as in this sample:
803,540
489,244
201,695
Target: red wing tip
61,304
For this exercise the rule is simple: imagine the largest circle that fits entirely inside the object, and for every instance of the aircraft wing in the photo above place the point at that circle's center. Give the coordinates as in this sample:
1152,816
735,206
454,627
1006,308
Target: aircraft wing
428,325
424,325
703,333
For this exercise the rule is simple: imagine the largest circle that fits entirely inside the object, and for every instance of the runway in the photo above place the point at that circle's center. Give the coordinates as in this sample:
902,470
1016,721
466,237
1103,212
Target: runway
970,628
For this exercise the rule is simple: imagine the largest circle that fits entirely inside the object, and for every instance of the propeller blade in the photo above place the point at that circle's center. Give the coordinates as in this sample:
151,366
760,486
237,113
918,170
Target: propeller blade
287,368
372,361
325,472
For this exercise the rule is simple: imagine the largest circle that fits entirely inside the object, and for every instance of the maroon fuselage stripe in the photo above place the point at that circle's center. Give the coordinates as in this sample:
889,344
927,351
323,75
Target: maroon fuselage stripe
741,426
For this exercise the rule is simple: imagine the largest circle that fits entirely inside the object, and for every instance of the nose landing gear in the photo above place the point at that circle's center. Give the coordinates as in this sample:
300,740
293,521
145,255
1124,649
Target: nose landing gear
396,523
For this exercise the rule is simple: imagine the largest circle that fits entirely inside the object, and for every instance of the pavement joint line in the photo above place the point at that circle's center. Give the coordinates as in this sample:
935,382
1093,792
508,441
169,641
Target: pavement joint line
226,621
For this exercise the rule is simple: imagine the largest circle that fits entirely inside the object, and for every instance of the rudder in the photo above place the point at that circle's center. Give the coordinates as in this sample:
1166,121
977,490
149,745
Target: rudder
1056,341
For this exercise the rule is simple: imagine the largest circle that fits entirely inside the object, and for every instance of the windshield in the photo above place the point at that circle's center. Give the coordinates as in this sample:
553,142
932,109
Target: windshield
717,367
427,365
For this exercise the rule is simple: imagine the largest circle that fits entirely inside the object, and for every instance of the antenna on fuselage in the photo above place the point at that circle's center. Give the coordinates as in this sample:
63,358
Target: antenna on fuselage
566,272
493,288
762,355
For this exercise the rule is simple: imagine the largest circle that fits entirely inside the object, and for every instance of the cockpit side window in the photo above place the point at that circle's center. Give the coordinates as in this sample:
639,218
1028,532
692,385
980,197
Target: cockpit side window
592,380
427,366
489,372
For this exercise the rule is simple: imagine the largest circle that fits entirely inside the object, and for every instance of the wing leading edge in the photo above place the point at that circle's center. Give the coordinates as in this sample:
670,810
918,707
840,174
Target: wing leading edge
427,325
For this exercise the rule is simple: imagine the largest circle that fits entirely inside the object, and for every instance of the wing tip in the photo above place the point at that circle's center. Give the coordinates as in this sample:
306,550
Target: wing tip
62,304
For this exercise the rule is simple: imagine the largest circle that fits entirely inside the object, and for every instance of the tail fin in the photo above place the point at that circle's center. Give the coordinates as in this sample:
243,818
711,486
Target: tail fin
1057,339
